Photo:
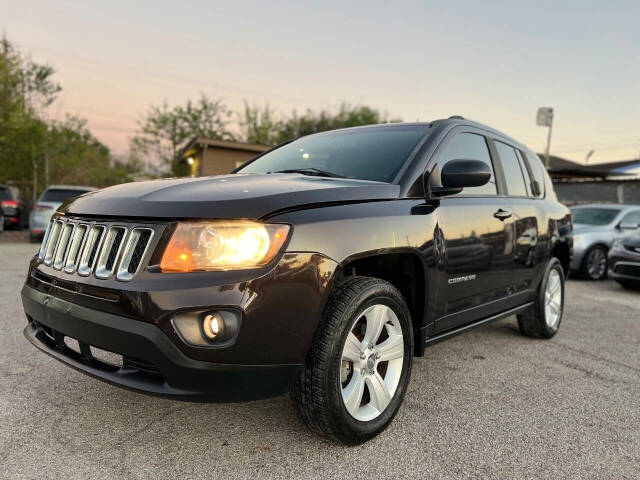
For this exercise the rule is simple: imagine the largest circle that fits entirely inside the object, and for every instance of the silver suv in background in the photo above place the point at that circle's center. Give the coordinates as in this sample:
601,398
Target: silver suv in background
47,204
595,228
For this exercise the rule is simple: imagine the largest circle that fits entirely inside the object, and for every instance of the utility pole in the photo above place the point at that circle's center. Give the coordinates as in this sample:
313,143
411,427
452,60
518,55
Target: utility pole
545,119
35,178
46,157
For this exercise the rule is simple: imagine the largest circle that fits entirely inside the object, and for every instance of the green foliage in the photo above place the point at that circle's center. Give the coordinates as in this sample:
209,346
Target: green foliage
163,130
76,157
263,126
62,152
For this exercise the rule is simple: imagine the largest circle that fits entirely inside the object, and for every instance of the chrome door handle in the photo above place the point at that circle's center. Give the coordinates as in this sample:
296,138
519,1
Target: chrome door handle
502,214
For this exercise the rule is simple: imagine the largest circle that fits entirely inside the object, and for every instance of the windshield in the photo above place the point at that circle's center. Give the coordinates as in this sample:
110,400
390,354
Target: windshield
60,195
375,153
5,194
594,216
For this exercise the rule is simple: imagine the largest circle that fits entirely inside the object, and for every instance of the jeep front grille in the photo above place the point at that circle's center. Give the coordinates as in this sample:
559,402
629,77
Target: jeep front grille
103,249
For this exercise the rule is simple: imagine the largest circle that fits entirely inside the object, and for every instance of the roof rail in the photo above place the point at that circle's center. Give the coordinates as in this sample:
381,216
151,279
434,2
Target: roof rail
456,117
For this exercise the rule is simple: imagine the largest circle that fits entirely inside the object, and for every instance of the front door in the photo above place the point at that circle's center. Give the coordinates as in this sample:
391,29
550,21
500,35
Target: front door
475,241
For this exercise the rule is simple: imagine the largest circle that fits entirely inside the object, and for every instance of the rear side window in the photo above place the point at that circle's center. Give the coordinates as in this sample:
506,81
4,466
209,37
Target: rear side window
538,173
525,171
470,146
514,177
632,218
60,195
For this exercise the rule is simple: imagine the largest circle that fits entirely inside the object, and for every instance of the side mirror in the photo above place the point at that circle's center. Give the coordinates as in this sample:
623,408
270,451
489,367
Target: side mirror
458,174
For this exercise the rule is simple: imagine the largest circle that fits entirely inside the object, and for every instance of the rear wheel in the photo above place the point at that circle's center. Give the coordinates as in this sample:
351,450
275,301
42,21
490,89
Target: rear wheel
594,263
544,317
359,364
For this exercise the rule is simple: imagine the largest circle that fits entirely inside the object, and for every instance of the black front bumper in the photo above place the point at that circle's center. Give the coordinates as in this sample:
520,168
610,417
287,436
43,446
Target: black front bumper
151,361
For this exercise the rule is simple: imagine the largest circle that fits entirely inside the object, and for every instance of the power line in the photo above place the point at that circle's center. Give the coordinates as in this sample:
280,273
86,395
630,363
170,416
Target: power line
136,71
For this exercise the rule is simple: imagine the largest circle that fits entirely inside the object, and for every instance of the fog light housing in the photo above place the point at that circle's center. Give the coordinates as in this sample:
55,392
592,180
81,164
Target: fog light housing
211,328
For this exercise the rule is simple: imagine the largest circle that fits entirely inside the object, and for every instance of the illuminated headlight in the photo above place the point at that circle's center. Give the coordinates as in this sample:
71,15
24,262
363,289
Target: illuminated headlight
224,245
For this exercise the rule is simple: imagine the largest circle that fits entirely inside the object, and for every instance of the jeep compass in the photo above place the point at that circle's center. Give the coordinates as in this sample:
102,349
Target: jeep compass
322,267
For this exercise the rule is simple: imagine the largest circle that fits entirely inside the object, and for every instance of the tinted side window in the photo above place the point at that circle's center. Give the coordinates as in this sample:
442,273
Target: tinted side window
538,172
469,146
60,195
632,218
512,173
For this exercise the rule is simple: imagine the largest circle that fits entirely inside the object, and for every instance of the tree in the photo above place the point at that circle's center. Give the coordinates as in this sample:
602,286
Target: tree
262,126
164,130
72,153
26,88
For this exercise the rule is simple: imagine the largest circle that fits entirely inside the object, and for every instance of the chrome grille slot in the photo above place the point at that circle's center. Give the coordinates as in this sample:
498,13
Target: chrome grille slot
75,248
53,242
104,249
134,252
90,250
43,246
63,243
110,252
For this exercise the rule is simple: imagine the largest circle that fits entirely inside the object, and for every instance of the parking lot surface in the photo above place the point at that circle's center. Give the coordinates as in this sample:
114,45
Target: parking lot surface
489,404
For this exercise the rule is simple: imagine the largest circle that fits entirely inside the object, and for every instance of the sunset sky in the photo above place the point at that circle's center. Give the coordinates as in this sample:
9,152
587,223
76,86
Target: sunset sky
495,62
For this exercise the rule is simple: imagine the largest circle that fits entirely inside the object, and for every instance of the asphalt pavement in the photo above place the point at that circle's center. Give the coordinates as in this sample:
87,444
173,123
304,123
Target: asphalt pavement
489,404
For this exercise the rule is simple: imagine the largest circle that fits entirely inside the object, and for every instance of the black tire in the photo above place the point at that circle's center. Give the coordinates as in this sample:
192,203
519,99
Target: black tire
35,239
317,391
630,284
533,323
599,253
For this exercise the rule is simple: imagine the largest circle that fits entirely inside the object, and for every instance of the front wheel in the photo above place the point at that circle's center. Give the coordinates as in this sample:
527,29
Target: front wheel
543,319
359,364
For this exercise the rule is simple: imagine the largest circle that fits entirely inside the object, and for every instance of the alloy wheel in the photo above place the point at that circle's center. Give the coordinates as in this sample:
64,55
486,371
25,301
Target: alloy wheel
371,362
596,263
553,299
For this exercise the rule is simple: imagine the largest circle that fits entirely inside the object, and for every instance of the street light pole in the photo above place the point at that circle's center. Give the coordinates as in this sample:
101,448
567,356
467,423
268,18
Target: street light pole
586,159
546,153
544,118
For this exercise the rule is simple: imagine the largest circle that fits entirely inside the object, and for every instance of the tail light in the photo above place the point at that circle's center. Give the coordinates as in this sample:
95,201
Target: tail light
9,204
42,208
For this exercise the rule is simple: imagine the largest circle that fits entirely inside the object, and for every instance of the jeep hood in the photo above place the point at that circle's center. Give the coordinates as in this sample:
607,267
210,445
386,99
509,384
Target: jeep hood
247,196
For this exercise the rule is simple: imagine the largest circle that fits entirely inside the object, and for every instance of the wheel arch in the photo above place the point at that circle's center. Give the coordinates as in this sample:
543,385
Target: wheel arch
563,253
405,271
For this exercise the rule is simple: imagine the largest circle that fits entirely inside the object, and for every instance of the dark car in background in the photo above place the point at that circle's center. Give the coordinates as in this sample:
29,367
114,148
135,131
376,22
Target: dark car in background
322,267
624,261
12,206
595,228
45,207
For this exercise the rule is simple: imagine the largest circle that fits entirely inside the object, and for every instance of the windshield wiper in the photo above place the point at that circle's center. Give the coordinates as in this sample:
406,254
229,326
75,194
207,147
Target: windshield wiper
310,171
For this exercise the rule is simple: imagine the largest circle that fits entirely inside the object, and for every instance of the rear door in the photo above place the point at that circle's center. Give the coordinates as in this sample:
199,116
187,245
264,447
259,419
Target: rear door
472,237
525,228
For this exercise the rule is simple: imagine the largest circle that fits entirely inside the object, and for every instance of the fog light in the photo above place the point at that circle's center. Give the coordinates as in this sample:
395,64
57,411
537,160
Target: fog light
207,328
213,326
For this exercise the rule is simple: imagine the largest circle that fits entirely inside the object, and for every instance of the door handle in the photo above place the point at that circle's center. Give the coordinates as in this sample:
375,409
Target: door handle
502,214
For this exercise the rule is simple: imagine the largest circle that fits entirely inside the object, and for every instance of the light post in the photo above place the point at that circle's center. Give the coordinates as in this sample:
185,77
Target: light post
588,156
545,119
